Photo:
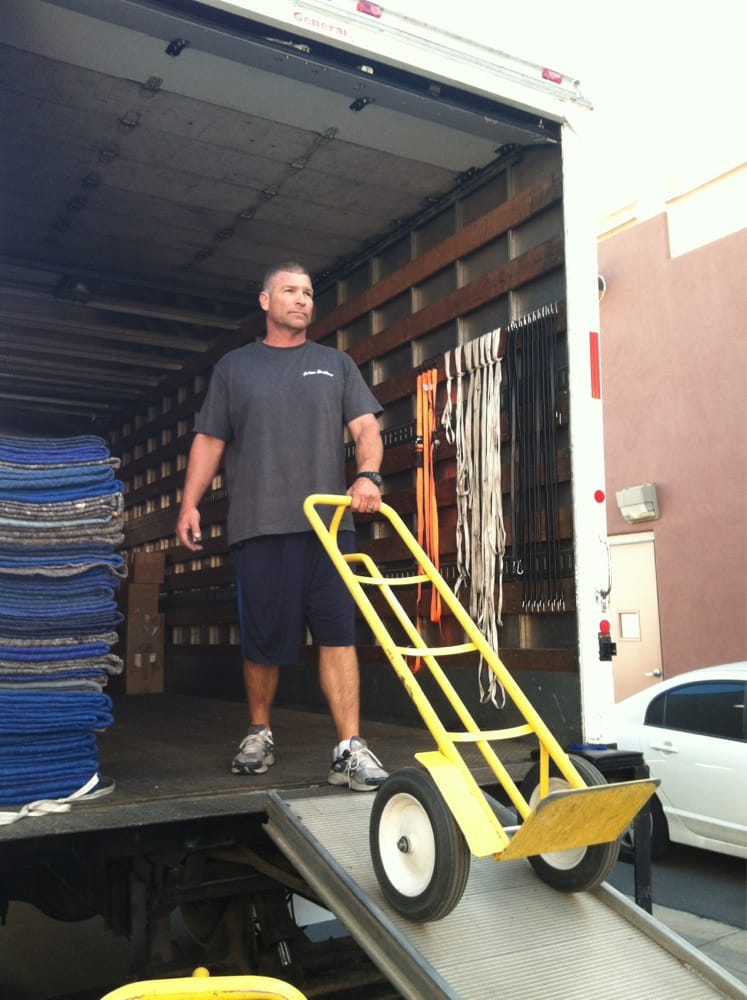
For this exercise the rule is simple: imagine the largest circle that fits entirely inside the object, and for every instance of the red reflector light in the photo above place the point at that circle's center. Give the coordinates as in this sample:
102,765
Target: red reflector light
599,496
552,76
364,7
604,627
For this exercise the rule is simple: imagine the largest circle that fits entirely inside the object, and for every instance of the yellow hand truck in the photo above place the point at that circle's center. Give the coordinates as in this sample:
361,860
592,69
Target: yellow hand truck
426,824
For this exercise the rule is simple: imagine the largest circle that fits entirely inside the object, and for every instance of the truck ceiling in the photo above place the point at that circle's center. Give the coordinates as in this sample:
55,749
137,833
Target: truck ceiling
157,156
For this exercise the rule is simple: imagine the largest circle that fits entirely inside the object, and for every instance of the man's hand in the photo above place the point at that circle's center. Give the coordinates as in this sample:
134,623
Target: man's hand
204,461
365,496
188,529
369,452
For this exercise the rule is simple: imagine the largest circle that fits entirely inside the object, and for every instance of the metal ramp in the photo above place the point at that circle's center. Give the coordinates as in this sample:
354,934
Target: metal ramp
511,936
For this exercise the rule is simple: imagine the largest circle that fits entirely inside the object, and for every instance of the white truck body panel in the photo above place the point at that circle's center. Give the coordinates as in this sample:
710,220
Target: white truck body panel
416,46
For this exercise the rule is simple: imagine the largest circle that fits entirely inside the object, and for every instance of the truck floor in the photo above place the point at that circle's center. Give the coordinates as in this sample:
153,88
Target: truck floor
170,759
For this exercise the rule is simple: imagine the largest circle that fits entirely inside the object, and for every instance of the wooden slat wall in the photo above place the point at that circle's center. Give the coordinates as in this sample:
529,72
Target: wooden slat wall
516,250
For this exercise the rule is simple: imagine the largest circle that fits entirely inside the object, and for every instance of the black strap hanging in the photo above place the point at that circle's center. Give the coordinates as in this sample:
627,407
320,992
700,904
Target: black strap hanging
532,413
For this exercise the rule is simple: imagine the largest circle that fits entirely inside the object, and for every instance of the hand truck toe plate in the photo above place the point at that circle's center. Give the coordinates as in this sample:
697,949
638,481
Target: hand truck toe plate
579,818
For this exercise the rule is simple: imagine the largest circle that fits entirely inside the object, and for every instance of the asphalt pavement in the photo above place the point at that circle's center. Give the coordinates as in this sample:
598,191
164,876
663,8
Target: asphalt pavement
702,896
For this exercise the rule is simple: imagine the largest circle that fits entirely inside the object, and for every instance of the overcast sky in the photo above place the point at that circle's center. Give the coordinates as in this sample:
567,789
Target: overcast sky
668,81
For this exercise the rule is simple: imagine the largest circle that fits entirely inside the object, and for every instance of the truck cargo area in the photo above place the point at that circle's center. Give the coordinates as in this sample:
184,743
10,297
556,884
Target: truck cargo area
157,156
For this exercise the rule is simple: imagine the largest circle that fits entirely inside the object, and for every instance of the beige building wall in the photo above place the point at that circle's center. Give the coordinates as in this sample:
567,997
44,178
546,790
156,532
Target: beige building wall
674,336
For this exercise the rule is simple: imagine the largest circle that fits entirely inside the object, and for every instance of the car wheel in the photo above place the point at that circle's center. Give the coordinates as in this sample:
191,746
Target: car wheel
659,835
419,854
577,869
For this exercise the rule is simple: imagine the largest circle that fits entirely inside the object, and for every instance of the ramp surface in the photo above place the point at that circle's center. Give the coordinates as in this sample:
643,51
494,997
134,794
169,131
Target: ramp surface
511,936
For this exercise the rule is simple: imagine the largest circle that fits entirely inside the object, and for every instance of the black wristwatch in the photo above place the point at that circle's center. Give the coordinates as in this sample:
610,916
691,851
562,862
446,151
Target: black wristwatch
375,477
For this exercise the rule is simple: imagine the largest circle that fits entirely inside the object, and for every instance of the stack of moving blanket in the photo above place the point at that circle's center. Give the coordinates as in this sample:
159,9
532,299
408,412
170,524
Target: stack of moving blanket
61,519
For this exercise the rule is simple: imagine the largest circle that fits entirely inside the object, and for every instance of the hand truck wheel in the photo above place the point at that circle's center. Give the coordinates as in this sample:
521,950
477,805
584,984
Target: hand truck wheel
419,854
579,868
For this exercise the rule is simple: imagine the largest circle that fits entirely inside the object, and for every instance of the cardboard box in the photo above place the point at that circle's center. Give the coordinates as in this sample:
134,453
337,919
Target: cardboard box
144,672
144,643
144,630
146,567
139,598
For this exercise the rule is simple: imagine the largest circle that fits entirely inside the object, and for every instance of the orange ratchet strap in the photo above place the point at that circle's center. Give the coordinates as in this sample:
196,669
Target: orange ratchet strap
425,488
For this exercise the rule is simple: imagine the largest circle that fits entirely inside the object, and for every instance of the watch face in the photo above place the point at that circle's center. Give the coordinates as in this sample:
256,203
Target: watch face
373,476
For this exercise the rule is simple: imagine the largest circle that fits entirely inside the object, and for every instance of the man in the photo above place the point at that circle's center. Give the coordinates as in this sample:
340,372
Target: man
276,409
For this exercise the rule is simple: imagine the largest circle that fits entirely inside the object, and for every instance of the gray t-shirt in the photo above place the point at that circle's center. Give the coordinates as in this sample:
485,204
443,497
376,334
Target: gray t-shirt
281,412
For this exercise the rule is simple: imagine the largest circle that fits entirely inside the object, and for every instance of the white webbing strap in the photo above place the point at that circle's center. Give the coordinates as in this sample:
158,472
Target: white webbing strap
43,807
473,426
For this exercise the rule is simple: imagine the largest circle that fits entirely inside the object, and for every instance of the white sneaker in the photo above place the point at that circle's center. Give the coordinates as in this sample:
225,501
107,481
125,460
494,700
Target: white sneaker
358,768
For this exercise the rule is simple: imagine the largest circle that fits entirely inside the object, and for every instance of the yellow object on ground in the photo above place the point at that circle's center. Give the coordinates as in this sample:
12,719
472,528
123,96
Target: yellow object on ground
202,985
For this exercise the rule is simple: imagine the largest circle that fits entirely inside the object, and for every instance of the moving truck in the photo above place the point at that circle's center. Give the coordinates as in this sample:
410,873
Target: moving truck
157,156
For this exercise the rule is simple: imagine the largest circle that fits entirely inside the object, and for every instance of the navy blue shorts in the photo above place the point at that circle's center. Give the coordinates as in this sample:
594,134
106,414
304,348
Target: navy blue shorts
286,584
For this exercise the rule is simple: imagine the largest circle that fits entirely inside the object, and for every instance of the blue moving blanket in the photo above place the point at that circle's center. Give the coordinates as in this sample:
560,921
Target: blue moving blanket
53,451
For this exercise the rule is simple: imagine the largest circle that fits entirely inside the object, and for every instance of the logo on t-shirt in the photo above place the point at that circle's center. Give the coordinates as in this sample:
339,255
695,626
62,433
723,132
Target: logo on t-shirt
318,371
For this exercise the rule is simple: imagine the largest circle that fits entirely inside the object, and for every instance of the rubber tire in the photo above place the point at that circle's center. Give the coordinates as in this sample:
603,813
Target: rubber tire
659,835
427,881
578,869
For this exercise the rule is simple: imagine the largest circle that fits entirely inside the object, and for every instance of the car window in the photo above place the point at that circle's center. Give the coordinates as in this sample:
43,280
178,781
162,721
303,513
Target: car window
711,708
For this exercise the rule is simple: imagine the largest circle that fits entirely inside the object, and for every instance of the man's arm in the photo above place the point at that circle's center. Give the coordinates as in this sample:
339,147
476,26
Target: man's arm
204,461
369,452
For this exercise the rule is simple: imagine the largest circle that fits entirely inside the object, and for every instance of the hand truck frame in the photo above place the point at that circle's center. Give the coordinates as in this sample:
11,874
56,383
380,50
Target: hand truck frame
425,825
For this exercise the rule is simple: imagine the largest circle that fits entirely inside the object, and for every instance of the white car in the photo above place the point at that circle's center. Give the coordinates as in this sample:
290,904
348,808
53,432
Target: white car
692,732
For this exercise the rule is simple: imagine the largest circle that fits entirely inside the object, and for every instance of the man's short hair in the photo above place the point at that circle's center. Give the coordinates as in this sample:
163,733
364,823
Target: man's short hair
289,265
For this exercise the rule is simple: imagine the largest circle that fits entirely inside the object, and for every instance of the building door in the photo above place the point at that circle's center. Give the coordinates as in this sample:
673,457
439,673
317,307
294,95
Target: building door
634,613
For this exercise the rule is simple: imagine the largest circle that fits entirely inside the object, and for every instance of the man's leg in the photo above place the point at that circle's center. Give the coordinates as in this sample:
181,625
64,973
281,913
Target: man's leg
353,764
340,683
260,684
256,749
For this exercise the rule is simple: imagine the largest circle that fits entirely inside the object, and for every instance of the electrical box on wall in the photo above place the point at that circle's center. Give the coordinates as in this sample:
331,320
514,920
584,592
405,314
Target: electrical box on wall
638,503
